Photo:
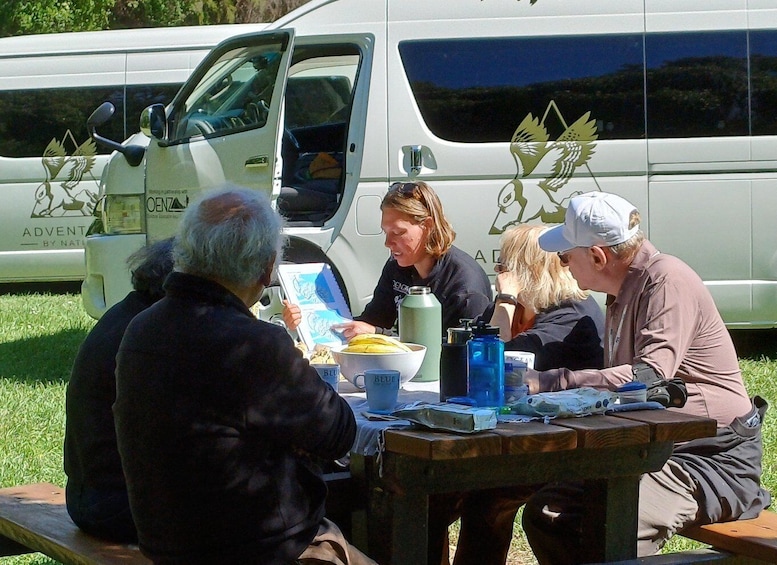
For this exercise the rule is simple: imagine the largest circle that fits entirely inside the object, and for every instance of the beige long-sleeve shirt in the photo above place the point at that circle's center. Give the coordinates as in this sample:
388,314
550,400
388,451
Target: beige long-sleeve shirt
663,315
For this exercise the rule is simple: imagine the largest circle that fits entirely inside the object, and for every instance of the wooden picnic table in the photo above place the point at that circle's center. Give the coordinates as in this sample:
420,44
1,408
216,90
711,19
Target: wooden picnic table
610,452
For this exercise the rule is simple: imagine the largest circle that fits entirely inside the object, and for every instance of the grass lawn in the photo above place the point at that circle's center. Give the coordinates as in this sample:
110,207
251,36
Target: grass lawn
39,337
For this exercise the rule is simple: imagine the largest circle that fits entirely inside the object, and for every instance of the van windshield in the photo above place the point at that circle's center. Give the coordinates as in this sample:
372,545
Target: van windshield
235,93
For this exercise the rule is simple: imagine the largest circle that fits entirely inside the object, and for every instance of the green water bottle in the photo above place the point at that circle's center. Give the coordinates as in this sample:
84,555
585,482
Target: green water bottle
420,321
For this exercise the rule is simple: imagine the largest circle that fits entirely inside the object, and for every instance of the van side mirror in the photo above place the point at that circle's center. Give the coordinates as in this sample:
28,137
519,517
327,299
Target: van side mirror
153,121
103,113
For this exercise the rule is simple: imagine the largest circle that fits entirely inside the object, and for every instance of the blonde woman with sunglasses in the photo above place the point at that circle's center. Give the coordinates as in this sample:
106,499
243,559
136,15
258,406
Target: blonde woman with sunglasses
420,241
540,308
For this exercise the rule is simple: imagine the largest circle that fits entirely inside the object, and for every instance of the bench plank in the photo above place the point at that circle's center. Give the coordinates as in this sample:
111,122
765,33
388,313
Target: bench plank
756,538
35,517
691,556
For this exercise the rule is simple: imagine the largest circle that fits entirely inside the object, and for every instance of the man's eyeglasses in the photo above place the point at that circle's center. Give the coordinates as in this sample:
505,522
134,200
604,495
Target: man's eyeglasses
500,267
563,256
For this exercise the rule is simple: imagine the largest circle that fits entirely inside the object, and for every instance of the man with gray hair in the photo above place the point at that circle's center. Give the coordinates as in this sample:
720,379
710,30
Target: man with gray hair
221,423
661,323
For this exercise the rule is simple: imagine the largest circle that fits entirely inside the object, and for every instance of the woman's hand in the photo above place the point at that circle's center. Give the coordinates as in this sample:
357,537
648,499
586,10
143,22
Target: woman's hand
353,328
292,315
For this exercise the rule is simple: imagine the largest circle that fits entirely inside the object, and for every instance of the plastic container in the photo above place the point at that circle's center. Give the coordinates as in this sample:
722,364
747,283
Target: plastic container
486,367
514,387
420,321
632,392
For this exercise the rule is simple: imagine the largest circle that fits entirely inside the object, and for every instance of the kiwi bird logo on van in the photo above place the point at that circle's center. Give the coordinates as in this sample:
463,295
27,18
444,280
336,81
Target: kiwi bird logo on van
543,196
61,193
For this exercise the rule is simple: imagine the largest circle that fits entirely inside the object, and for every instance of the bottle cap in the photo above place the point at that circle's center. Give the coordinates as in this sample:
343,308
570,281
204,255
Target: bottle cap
481,328
419,290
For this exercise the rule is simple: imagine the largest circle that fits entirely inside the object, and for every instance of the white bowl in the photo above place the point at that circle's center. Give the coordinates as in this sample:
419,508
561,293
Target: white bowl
406,362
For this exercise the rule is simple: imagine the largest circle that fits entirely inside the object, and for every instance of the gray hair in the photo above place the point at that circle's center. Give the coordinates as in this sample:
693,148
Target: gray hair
150,266
230,234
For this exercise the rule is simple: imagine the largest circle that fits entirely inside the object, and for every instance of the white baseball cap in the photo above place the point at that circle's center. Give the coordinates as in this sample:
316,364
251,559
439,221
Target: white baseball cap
593,218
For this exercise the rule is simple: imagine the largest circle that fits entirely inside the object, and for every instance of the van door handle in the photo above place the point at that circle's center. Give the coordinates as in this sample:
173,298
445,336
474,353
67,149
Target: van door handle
416,161
259,161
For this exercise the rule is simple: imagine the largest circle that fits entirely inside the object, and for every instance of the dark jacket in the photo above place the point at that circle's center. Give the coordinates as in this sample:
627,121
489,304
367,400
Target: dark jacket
457,280
568,335
91,456
96,493
221,423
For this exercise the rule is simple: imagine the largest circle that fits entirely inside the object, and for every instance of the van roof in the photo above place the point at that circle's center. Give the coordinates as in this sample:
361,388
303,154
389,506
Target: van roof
125,40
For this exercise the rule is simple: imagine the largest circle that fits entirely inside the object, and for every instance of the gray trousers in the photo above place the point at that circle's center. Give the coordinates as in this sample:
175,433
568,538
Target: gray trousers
552,516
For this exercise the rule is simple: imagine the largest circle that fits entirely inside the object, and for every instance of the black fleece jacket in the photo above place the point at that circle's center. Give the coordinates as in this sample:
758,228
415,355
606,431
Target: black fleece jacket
221,423
457,280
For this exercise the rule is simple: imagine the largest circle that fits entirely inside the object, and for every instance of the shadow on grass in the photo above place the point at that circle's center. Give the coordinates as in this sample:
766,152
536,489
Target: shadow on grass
61,287
46,359
754,344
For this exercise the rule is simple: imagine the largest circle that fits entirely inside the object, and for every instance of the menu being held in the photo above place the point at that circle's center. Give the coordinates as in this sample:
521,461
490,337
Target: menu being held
313,287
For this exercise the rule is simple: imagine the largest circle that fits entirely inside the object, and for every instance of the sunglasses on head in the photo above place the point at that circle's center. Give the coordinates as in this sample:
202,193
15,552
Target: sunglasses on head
404,188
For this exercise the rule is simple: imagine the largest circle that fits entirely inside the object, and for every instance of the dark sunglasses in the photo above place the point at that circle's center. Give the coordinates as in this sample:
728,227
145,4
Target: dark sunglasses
563,256
404,188
500,267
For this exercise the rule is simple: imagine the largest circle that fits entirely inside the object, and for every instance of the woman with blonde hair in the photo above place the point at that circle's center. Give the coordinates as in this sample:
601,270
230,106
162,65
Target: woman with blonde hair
420,241
540,308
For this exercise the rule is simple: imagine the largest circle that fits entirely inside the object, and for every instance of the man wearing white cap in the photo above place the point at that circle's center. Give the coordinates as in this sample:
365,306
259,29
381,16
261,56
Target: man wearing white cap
661,323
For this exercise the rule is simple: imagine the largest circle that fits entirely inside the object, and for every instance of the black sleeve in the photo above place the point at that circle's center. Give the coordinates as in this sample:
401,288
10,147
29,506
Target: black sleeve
382,309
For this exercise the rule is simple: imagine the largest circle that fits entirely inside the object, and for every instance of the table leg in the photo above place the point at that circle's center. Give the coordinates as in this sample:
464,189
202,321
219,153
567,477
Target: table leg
611,518
410,536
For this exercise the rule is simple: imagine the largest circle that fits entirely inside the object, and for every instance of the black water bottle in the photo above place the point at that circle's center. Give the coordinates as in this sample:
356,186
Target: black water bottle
453,362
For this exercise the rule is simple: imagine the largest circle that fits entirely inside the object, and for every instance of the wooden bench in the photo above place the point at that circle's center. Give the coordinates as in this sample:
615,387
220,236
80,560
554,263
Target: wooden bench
34,518
755,539
741,542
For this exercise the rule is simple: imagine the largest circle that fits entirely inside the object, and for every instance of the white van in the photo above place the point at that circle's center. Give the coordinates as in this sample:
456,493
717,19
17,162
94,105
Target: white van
49,166
507,108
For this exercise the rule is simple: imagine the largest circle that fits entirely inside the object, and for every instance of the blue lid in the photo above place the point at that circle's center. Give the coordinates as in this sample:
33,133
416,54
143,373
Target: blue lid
632,386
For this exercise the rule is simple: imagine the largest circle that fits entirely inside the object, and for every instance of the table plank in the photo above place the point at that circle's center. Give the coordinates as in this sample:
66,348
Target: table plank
437,445
607,431
535,437
673,425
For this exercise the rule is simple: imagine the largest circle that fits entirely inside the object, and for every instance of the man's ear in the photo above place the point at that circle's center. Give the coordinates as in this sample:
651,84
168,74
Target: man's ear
599,256
266,278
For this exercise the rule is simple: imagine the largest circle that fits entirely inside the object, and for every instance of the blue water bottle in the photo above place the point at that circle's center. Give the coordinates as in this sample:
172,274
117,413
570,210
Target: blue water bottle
486,367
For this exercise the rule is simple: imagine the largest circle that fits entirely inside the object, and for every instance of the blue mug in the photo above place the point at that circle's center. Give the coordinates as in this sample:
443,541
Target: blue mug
382,386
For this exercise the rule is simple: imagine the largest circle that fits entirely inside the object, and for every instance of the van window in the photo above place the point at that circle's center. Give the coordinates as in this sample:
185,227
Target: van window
30,119
234,95
471,90
763,82
319,95
697,84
